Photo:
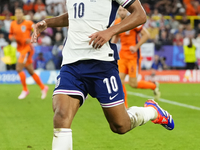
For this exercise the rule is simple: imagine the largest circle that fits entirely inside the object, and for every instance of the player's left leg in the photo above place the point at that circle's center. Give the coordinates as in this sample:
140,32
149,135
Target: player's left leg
107,88
44,88
122,120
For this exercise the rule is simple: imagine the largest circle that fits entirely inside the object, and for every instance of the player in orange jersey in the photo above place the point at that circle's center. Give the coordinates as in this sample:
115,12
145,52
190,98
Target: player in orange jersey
130,56
20,31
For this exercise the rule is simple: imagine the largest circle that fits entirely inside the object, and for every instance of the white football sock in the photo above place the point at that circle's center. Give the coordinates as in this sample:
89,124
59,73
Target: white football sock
141,115
62,139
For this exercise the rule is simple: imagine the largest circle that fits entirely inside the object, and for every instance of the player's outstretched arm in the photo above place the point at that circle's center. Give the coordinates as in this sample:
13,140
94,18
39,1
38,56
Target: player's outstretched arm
136,18
59,21
145,36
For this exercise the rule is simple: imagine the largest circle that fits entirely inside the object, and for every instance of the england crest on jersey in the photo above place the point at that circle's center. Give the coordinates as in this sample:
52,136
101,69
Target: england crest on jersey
23,28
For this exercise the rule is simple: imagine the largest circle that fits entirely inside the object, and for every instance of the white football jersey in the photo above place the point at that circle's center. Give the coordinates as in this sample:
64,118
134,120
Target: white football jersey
85,18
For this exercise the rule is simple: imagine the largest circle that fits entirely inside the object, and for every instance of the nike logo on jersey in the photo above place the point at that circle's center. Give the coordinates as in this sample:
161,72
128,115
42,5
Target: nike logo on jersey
111,98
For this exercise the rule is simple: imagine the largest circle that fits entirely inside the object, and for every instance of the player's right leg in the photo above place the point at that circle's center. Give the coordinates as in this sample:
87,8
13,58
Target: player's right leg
65,108
19,68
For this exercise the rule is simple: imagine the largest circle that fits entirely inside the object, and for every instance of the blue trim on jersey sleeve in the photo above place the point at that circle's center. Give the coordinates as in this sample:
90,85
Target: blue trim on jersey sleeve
114,48
129,4
113,13
64,41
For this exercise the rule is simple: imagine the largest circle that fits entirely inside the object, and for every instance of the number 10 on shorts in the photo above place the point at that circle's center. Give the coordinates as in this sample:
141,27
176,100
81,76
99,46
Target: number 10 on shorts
111,84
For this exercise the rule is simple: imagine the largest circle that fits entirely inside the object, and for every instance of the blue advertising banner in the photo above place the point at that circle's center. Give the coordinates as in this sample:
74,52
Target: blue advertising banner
173,54
11,77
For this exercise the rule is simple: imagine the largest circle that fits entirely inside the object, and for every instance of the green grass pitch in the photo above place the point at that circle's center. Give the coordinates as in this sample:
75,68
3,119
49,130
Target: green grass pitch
27,124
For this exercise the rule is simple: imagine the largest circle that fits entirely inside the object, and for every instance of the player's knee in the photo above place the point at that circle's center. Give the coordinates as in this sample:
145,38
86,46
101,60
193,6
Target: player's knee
60,118
18,70
119,129
133,84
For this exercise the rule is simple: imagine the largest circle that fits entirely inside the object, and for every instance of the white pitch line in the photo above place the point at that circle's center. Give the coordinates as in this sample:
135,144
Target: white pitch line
164,100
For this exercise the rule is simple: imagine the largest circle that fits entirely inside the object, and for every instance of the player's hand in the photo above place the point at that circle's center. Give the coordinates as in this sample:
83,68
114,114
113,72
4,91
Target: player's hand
133,49
38,28
98,39
28,41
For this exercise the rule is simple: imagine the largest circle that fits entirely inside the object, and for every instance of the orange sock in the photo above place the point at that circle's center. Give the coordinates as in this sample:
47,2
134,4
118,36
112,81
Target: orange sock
38,81
22,76
125,96
146,85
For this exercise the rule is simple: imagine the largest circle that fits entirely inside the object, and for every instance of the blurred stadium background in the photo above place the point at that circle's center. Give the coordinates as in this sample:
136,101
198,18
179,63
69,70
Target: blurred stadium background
27,124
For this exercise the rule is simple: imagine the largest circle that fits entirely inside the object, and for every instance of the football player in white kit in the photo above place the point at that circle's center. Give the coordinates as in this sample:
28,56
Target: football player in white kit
90,67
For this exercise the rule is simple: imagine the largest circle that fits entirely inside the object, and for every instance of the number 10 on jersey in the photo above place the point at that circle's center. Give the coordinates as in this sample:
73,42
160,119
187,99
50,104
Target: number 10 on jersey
79,9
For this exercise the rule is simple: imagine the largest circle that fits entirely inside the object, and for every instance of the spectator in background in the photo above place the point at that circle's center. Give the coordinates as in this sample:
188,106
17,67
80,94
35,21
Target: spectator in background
159,63
147,8
57,50
150,23
6,10
190,55
49,32
44,40
7,23
163,23
3,31
152,27
16,4
162,6
10,56
174,24
189,31
56,30
198,39
184,21
180,30
2,39
39,62
176,7
156,13
190,10
28,6
30,16
164,39
178,40
40,14
39,5
27,1
52,10
197,29
59,6
196,5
